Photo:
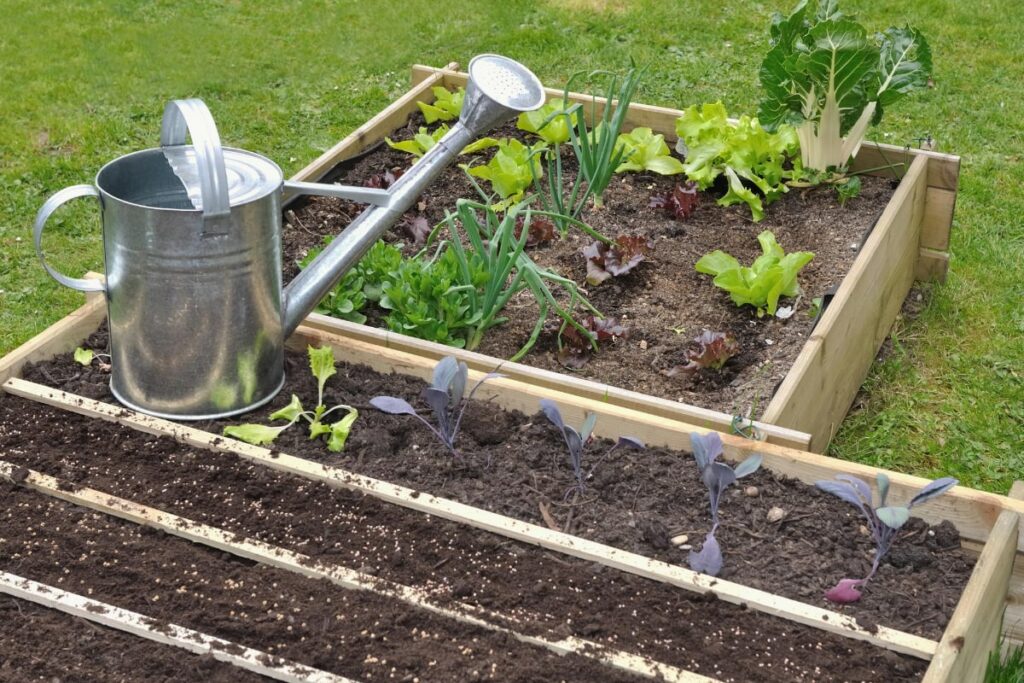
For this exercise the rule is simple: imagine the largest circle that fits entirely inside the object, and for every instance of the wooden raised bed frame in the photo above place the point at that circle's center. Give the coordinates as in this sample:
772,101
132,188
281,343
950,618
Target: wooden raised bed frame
988,523
909,242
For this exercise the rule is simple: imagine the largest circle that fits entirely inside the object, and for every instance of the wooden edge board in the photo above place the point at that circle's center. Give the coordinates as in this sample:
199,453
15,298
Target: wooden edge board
137,624
931,265
973,630
972,512
281,558
711,419
943,169
762,601
938,218
827,374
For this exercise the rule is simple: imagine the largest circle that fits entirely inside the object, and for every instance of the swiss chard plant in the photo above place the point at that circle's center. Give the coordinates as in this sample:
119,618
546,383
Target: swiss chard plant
772,275
710,351
717,477
446,107
606,260
421,143
883,521
714,146
446,397
577,441
321,363
825,75
643,150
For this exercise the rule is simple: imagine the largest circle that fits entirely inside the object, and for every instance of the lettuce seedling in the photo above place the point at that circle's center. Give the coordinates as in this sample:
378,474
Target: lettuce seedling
643,150
710,351
446,397
321,363
511,170
606,260
577,442
575,347
883,521
824,75
772,275
717,476
679,203
551,122
446,107
421,143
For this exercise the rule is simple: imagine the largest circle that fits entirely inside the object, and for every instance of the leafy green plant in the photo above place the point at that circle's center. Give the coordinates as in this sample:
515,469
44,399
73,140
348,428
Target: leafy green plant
84,357
321,364
551,122
643,150
679,203
421,143
614,259
772,275
575,347
847,189
744,150
709,350
598,150
824,75
446,107
511,170
1008,668
361,284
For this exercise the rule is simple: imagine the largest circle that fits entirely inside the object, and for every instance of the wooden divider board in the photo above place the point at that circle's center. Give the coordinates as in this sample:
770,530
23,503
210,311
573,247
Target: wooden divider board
818,390
522,531
137,624
973,630
281,558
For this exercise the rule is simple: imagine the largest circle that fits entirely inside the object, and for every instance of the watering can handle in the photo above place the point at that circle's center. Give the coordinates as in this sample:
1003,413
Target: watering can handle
51,205
191,117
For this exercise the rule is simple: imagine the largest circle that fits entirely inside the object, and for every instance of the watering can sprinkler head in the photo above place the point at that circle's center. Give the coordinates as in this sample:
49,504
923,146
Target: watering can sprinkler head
498,88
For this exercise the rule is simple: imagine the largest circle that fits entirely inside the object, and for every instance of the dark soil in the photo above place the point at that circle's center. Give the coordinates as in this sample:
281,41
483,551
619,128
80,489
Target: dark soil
516,465
538,592
352,633
664,302
48,646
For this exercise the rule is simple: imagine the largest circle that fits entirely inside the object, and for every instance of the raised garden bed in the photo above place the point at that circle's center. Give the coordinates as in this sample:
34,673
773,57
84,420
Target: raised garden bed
798,376
956,652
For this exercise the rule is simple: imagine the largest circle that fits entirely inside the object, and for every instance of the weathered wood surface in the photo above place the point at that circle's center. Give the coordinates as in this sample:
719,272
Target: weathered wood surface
281,558
137,624
973,630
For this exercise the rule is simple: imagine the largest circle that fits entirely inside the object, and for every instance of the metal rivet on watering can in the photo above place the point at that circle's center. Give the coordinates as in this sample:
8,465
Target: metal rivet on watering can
192,247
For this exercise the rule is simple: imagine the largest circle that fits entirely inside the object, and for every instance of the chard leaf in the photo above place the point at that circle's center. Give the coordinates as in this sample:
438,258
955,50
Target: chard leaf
340,431
935,488
709,559
321,363
290,412
83,356
392,405
893,516
257,435
748,466
845,591
906,64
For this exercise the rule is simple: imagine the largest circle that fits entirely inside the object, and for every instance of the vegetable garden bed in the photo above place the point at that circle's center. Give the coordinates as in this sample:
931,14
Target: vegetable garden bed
799,376
400,556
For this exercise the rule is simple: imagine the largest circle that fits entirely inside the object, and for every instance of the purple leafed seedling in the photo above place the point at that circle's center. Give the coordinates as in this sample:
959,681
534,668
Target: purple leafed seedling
577,444
717,476
883,521
446,397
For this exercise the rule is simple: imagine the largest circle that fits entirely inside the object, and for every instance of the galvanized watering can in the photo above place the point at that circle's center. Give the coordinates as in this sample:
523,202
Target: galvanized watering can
192,247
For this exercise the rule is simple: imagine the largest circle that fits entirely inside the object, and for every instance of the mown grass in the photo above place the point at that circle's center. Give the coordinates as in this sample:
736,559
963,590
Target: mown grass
84,83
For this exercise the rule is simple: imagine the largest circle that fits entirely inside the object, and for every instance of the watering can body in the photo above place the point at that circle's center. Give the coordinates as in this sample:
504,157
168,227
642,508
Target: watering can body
192,249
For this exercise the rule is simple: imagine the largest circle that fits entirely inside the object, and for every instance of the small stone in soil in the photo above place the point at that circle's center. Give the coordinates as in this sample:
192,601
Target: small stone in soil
776,514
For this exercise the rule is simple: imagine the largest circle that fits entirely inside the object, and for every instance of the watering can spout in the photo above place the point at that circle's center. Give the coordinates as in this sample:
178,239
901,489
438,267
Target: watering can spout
498,89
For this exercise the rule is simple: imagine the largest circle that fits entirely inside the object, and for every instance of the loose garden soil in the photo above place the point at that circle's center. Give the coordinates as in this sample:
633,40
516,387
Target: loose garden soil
516,465
537,591
664,302
41,644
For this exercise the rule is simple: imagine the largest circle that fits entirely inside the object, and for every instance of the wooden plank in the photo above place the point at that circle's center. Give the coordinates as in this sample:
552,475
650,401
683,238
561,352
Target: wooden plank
137,624
931,265
575,546
62,336
710,419
943,169
374,130
820,387
973,630
281,558
939,206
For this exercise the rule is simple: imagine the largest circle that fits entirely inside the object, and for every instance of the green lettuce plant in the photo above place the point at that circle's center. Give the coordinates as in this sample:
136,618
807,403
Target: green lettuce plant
643,150
551,122
826,76
446,107
743,150
772,275
421,143
511,170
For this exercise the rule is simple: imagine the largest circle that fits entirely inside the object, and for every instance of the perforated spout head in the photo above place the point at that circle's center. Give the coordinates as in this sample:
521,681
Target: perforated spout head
498,89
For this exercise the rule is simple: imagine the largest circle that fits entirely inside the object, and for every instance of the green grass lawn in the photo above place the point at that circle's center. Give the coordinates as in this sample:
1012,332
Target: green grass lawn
86,82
